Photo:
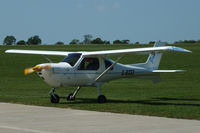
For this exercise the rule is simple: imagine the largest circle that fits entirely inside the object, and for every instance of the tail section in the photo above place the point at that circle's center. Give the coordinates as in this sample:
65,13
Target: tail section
153,60
152,65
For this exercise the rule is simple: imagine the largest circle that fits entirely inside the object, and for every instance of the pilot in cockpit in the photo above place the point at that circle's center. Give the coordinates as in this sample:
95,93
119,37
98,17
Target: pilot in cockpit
93,64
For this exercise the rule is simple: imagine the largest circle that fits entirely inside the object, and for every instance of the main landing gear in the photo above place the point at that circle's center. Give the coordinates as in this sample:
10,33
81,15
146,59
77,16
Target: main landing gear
101,98
71,96
54,98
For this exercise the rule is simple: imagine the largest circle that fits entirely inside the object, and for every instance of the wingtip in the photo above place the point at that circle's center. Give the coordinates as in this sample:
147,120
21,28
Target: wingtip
6,51
181,50
189,51
9,50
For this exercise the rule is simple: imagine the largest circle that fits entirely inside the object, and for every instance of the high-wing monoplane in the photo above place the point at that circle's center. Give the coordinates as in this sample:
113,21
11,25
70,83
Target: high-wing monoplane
94,68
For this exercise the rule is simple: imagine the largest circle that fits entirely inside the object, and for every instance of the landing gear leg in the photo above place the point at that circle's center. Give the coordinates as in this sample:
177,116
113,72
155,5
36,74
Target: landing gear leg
101,98
54,98
71,96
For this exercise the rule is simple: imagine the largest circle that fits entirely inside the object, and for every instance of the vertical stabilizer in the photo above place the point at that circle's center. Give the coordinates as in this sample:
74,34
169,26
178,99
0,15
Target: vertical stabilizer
153,60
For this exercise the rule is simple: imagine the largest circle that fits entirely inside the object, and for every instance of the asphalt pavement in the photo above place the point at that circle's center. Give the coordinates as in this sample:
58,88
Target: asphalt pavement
17,118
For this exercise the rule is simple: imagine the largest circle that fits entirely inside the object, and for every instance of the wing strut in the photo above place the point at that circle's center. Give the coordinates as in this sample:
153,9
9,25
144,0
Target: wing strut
105,71
47,58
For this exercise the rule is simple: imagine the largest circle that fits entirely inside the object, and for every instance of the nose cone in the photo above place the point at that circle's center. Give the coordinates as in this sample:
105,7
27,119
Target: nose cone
53,75
43,70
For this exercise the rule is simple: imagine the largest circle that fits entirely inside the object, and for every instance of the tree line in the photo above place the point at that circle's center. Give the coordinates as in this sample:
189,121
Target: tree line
33,40
88,39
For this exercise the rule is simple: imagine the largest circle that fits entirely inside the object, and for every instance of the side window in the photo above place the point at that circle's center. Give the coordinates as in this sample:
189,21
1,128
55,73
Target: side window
89,64
107,64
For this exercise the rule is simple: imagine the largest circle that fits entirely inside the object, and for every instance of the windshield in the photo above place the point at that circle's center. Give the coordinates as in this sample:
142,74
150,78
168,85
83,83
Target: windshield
72,58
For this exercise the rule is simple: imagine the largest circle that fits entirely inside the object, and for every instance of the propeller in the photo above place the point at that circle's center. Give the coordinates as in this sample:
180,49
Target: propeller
36,68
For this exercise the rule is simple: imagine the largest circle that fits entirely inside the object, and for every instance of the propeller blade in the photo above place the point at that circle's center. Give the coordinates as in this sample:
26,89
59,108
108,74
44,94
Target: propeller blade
36,68
28,71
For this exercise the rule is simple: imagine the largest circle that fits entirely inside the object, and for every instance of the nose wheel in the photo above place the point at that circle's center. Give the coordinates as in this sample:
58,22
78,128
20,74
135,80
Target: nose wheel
54,98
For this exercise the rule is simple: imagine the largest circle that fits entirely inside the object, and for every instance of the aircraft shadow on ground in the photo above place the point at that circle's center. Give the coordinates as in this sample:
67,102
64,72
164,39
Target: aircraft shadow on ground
161,101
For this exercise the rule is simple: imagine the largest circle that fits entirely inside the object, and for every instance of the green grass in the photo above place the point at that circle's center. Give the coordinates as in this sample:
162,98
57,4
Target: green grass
177,96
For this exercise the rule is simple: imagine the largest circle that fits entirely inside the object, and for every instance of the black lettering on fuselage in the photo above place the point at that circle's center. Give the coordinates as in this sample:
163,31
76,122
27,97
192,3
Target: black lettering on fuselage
127,72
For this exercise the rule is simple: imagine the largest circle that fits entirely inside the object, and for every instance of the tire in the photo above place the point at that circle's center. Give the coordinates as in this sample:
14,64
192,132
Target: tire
101,99
70,98
55,98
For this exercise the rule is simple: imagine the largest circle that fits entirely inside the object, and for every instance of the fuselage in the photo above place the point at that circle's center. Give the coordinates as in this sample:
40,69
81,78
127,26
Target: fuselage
80,72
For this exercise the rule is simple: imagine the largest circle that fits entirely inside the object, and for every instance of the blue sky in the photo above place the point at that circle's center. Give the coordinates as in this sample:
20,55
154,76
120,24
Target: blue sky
136,20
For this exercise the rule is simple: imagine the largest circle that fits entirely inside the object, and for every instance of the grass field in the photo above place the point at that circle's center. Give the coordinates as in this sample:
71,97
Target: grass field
177,96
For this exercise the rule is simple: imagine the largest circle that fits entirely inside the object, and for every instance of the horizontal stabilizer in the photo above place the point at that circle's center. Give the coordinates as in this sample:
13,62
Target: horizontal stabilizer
167,71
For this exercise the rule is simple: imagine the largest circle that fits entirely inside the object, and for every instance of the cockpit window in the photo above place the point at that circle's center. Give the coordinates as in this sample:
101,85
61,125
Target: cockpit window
72,58
89,64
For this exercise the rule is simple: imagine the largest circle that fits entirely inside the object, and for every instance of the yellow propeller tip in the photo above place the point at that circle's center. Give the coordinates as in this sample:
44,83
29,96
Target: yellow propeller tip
26,71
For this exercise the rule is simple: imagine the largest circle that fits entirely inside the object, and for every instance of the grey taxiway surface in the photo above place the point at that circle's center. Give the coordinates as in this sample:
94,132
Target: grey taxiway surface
15,118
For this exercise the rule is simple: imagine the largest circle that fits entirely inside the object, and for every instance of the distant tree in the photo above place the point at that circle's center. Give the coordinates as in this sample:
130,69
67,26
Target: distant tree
59,43
97,41
152,42
125,41
87,39
121,41
185,41
198,41
106,42
34,40
21,42
137,43
81,42
117,42
75,41
189,41
9,40
178,42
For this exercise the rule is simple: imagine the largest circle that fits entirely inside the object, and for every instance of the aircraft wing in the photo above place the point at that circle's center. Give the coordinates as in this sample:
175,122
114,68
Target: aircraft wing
38,52
136,50
101,53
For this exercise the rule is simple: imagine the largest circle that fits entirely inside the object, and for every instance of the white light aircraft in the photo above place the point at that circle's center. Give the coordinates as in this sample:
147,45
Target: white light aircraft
94,68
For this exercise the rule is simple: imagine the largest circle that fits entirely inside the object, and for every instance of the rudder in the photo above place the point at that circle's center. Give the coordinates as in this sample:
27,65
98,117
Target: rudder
153,60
